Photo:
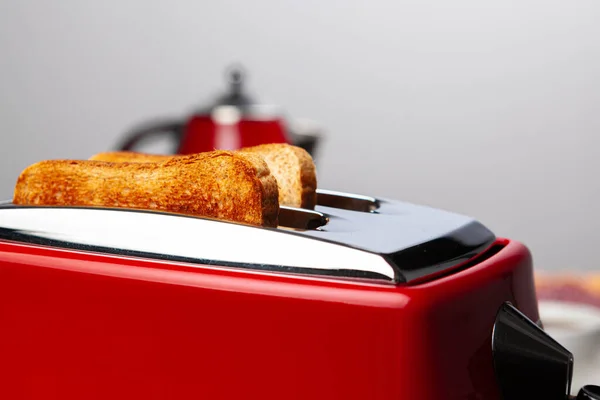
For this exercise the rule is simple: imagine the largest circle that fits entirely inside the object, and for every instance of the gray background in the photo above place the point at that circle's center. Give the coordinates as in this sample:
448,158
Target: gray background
488,108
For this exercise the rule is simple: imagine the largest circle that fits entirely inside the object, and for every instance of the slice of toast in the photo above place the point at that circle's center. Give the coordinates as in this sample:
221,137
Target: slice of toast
230,186
292,166
294,170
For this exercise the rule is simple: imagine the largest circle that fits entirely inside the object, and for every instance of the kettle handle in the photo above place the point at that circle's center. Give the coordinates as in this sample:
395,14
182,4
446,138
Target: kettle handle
170,128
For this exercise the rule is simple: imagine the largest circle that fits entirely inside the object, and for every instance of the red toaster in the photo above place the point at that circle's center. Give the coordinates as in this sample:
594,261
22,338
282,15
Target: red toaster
362,298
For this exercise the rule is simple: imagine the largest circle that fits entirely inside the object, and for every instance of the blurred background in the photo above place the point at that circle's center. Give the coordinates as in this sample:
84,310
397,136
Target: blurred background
486,108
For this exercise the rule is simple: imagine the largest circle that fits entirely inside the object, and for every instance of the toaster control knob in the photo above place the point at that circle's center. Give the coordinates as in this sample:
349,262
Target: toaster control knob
589,392
528,363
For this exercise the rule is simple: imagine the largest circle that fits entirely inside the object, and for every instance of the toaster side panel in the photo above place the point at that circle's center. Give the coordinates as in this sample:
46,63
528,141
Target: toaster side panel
78,326
460,313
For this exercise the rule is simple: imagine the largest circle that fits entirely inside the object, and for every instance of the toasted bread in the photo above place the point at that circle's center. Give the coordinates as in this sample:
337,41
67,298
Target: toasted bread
292,166
230,186
131,157
294,170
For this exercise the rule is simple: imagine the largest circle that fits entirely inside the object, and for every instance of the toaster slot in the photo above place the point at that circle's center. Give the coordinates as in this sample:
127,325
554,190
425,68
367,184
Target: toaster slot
298,218
346,201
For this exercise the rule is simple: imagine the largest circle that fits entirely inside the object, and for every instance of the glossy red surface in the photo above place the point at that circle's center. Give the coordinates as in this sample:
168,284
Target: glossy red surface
201,132
88,326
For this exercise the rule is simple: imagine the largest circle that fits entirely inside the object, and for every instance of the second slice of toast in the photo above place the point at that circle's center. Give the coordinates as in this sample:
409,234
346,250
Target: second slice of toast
292,166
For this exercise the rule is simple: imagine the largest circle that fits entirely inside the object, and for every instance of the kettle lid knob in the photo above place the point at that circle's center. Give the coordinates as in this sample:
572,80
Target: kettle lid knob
236,96
235,76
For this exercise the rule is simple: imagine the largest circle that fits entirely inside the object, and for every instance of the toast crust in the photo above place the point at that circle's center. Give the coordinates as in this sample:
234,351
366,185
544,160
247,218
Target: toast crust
295,171
292,166
220,184
131,156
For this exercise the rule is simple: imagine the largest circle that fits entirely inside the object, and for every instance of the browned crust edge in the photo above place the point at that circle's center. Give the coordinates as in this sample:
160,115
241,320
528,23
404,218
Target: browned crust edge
266,184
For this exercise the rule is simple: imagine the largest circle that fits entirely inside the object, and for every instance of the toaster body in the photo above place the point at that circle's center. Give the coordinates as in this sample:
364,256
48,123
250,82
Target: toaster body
360,299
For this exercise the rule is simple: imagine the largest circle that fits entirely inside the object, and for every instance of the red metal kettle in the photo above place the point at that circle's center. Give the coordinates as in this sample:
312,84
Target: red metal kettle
234,121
